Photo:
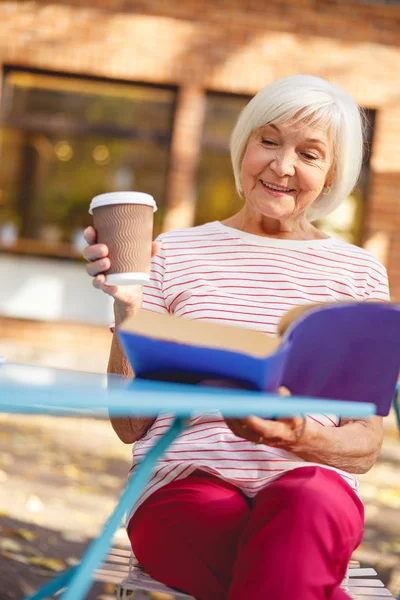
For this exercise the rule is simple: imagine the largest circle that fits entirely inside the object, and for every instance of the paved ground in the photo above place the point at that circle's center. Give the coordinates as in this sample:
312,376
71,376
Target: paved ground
59,480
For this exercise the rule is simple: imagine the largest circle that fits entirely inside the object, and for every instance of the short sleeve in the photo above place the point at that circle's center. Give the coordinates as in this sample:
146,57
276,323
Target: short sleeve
153,293
380,291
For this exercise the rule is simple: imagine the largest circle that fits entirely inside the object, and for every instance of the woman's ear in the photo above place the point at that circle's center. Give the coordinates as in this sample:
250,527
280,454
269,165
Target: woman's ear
330,177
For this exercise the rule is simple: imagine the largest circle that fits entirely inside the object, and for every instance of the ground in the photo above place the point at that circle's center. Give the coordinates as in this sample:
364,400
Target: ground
60,478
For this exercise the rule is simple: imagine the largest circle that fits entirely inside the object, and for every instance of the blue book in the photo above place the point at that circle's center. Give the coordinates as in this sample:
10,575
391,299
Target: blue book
333,351
168,348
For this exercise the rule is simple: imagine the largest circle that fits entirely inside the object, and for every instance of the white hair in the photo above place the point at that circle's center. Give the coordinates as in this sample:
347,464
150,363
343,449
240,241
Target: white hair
307,98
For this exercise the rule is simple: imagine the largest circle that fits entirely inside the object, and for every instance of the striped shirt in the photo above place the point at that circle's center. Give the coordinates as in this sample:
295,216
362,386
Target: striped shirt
217,273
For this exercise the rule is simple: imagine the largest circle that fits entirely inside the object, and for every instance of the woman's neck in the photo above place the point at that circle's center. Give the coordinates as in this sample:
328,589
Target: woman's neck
299,229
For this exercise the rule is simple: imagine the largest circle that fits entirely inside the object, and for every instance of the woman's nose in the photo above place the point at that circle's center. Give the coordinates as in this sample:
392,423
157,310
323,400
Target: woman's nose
284,164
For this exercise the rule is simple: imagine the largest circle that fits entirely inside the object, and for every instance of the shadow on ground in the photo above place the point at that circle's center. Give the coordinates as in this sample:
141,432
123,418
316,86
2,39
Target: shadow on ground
32,555
60,480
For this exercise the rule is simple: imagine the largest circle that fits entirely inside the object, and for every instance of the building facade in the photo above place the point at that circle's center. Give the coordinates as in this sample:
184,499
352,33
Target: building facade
123,94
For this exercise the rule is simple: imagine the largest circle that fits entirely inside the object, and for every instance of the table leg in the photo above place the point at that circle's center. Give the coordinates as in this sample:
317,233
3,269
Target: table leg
53,586
79,579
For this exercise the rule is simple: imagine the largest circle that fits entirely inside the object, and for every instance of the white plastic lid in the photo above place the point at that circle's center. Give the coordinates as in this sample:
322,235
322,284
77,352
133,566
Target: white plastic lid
122,198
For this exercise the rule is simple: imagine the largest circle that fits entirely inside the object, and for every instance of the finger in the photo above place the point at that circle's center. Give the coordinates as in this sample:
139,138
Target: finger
241,430
155,248
283,391
95,252
90,235
292,421
297,427
98,266
99,284
111,290
280,431
234,425
267,428
98,281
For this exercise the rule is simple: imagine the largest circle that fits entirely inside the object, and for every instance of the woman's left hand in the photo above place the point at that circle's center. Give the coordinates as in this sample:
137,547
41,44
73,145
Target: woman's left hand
282,433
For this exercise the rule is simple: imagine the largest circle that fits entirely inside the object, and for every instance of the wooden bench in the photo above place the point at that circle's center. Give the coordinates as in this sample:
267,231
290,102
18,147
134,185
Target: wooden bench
122,569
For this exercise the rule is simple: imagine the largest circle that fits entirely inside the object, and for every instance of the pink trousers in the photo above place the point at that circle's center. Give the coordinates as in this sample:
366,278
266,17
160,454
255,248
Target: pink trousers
293,541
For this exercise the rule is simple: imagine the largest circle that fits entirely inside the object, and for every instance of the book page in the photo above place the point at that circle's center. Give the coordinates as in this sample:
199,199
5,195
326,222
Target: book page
201,333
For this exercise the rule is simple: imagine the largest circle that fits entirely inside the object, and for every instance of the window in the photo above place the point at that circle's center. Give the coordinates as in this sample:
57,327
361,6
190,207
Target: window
347,221
217,198
65,139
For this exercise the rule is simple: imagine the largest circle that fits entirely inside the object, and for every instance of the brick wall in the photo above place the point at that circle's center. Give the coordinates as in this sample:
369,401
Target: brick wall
235,46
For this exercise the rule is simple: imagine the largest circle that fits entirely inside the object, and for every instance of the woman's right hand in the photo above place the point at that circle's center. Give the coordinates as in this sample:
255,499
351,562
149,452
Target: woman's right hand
127,298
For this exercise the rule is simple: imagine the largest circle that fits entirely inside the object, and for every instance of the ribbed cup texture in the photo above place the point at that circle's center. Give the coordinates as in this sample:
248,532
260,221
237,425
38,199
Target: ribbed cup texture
127,230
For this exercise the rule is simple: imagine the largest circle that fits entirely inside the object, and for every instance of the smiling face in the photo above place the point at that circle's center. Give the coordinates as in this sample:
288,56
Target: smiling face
284,169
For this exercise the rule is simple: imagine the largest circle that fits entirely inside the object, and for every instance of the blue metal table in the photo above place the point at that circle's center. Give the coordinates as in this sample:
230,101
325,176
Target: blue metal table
40,390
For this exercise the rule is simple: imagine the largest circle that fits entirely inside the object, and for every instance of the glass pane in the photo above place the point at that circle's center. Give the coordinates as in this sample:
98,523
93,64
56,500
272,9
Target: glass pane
216,193
347,221
64,140
67,101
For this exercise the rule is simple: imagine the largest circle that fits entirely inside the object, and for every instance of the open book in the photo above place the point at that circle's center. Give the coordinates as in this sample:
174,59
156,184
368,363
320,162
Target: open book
334,351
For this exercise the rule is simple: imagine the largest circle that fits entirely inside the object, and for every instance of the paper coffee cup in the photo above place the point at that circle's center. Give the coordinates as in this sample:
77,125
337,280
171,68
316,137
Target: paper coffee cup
124,222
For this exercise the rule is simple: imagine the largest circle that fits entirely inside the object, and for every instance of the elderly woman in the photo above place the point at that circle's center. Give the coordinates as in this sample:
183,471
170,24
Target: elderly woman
253,508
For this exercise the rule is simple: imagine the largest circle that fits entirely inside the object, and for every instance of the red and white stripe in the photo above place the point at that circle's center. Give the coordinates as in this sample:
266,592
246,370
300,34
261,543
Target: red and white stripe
217,273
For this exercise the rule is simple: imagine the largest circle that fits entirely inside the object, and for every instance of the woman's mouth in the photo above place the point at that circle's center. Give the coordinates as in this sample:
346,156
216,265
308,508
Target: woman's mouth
275,190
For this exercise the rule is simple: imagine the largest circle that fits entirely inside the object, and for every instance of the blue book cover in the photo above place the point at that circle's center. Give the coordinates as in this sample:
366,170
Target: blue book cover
337,351
164,347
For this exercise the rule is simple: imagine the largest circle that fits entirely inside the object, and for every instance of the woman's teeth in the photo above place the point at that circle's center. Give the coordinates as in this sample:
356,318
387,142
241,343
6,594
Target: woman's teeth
275,187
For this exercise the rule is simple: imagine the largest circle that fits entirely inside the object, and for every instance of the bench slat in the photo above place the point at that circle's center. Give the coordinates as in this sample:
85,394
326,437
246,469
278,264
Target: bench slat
369,597
116,570
122,560
120,552
365,583
376,592
109,577
362,572
139,579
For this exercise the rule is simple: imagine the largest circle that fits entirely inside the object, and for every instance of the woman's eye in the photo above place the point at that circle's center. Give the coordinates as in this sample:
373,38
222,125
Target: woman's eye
310,156
268,142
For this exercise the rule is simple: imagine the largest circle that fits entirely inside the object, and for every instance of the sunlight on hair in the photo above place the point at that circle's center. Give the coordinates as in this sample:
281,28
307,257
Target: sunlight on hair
317,103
